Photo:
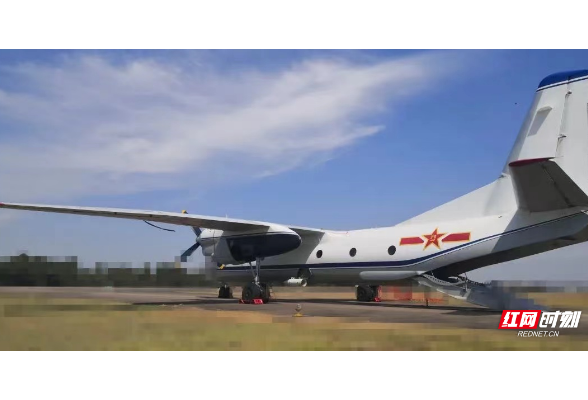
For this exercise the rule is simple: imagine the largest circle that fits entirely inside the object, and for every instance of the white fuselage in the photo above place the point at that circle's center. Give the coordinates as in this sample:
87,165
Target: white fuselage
400,252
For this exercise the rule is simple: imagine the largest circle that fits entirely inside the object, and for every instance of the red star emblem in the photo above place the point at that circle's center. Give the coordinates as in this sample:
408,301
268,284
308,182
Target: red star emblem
433,238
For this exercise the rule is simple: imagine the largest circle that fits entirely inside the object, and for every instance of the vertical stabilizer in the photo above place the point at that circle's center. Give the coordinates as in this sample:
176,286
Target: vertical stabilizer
556,125
548,164
551,150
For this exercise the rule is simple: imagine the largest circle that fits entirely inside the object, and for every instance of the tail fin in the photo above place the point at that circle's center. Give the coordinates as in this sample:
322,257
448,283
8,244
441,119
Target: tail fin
549,161
197,231
547,168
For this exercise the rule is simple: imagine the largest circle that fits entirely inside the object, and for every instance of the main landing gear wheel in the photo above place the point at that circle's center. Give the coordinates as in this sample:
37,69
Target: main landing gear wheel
367,293
252,291
265,292
255,290
225,292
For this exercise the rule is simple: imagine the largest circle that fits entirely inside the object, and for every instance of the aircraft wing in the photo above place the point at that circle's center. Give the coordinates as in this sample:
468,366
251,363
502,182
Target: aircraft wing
225,224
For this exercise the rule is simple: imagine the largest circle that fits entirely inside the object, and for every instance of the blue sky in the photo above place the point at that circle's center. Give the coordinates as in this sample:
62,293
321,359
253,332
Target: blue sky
331,139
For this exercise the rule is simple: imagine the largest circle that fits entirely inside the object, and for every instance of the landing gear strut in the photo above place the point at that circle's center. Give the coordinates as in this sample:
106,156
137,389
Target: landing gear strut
255,290
367,293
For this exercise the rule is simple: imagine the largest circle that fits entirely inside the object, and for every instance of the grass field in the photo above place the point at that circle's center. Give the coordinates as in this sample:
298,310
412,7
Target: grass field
37,323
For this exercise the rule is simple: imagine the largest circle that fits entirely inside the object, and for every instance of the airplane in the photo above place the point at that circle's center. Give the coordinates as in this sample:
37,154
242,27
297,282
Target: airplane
538,203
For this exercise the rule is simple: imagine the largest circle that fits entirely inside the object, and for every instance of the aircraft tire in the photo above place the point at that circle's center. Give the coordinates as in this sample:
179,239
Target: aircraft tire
225,292
364,293
375,291
251,291
265,292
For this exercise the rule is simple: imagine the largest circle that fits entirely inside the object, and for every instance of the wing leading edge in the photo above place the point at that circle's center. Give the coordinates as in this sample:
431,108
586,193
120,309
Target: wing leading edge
225,224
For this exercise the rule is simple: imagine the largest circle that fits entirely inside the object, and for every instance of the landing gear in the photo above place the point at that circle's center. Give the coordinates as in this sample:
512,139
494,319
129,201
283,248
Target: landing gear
255,291
225,292
367,293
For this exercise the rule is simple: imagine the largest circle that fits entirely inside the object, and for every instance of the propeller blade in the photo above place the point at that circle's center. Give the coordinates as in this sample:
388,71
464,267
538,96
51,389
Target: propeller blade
188,253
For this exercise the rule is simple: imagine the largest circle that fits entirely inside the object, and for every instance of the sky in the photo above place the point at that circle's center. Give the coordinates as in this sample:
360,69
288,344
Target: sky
327,139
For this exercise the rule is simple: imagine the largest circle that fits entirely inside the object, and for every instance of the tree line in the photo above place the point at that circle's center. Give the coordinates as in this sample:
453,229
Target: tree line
25,270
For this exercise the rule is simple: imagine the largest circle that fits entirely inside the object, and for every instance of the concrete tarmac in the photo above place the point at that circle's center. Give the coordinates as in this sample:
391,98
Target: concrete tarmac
315,302
334,302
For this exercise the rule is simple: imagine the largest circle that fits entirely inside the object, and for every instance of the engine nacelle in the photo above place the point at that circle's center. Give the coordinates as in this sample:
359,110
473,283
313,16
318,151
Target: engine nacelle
242,247
296,282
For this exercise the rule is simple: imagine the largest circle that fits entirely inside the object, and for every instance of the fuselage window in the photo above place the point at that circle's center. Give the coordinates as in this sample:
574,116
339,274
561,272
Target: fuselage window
319,254
352,252
391,250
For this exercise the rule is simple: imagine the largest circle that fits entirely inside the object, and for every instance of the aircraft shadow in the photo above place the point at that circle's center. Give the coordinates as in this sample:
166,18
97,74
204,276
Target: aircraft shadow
456,310
205,301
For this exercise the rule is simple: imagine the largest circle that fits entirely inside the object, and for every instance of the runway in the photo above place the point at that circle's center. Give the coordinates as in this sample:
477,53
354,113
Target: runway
316,302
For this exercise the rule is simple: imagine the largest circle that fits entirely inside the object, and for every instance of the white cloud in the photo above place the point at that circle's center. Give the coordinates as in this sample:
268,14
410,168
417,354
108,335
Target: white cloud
92,125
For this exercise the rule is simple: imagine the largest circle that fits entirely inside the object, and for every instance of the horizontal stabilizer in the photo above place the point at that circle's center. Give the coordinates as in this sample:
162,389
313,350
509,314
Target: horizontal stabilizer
541,185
